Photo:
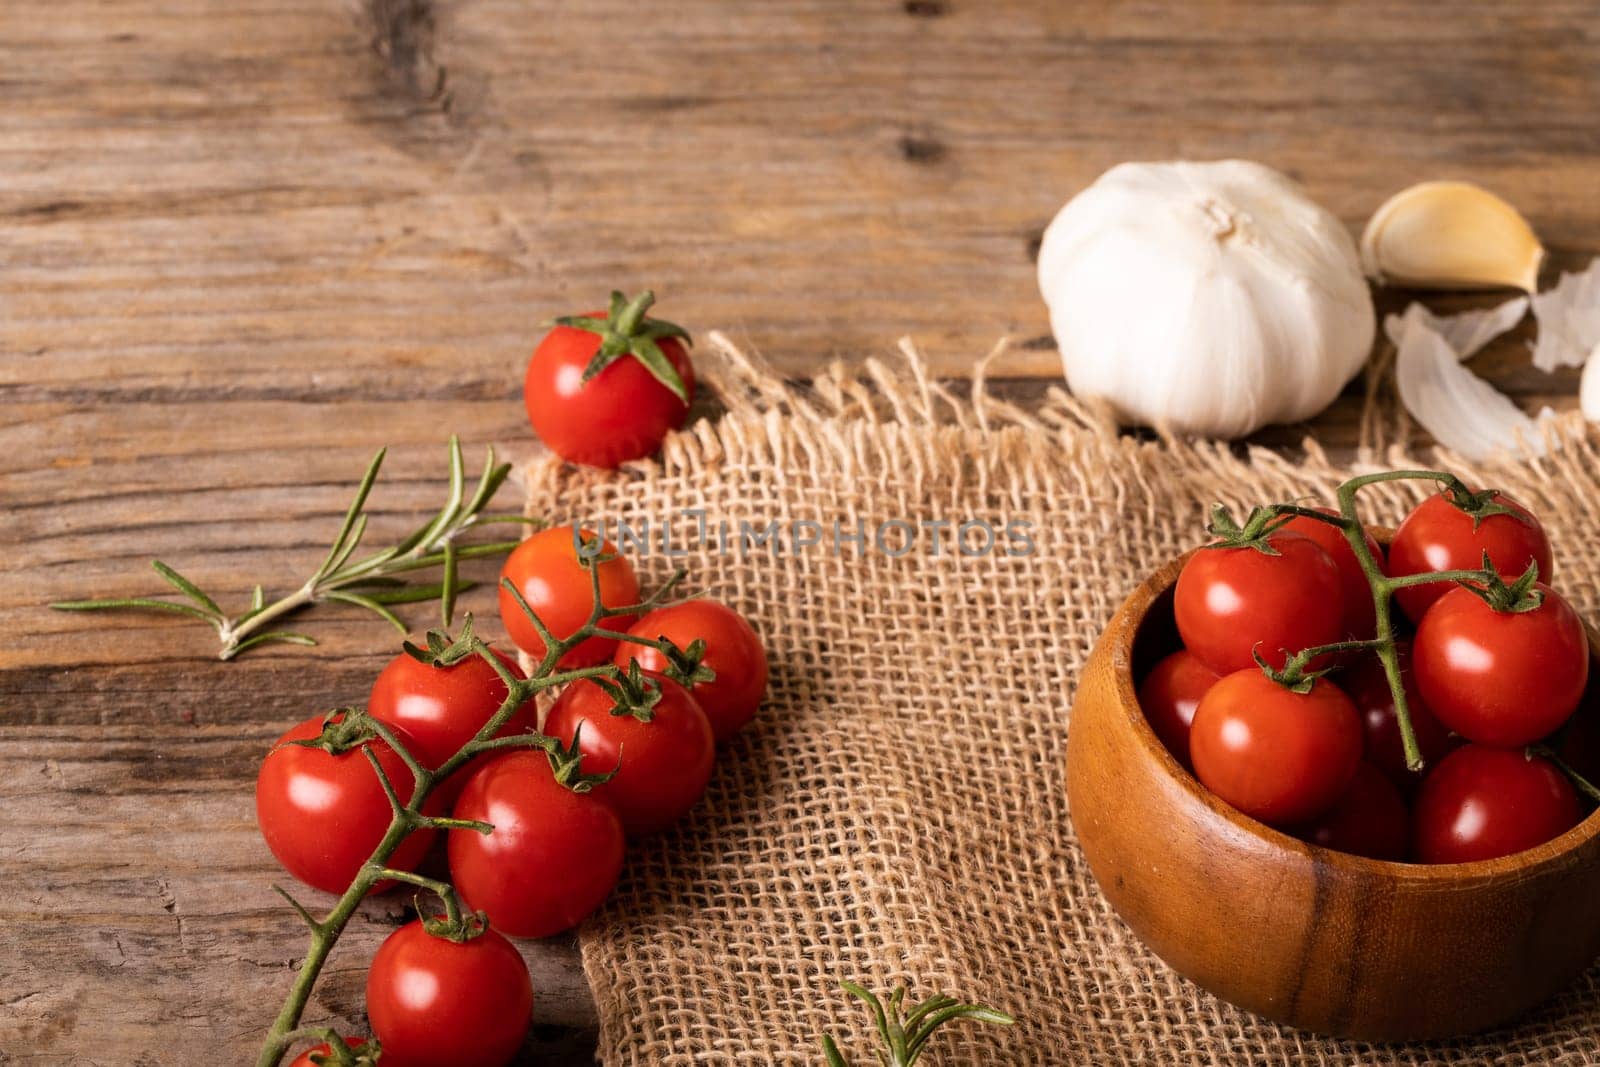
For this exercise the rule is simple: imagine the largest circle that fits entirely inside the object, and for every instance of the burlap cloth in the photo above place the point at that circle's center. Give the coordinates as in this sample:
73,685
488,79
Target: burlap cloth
897,812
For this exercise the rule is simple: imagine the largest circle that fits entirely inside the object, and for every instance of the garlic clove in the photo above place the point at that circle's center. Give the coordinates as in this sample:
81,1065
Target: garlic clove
1569,319
1451,235
1463,412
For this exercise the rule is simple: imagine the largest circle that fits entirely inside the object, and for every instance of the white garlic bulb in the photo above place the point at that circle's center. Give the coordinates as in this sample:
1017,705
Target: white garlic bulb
1209,298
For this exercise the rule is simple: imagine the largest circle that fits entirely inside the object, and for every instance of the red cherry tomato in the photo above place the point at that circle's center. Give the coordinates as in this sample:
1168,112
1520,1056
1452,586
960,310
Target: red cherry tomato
548,573
553,857
1276,755
733,652
1370,819
1231,602
622,413
1368,687
1360,617
1503,678
1480,803
441,708
1169,695
664,764
322,815
433,1001
304,1059
1438,536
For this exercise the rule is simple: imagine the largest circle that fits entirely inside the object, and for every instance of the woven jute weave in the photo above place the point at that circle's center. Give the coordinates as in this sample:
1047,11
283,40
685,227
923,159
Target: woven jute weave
897,812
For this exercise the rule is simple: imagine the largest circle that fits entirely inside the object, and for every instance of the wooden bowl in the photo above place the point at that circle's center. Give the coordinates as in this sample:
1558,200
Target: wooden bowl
1316,939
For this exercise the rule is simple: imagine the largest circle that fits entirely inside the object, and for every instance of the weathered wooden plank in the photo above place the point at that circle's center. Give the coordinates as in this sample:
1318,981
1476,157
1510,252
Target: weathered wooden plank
242,246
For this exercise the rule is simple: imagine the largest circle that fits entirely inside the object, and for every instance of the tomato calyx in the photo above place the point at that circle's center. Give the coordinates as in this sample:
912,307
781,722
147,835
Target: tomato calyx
1515,598
366,1053
686,666
566,763
343,729
632,693
1255,532
1479,505
1296,675
442,650
459,927
626,331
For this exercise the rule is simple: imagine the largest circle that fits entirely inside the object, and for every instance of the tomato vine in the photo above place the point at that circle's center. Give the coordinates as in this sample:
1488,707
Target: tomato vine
408,816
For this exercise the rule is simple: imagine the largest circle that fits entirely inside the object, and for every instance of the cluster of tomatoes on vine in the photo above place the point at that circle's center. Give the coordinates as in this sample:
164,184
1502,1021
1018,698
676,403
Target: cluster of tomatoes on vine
1283,701
631,750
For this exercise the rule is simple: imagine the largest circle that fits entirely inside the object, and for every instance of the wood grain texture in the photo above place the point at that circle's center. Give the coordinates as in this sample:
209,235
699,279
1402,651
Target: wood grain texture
243,245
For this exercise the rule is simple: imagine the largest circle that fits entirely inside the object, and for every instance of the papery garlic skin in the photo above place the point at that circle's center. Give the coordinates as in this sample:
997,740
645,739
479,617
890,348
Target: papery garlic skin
1589,389
1463,412
1569,319
1207,298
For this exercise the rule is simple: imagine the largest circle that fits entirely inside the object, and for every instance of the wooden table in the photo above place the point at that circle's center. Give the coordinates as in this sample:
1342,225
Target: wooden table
243,245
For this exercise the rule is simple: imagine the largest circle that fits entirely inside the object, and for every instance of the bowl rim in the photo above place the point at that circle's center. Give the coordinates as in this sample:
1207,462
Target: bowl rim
1139,604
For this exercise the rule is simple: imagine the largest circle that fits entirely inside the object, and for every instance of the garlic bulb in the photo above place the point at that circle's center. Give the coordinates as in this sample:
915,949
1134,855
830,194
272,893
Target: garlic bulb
1451,235
1209,298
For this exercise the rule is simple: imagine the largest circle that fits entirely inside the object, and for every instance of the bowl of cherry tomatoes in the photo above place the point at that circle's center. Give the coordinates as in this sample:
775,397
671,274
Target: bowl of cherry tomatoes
1257,810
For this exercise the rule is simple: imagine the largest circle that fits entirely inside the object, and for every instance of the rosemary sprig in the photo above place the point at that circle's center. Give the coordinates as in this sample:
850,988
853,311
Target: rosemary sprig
369,582
905,1034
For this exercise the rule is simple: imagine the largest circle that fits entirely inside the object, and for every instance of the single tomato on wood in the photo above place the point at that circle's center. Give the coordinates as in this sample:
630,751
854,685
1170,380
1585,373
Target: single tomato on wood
322,809
548,572
731,653
1360,615
435,1001
1480,803
662,751
607,387
554,854
1447,533
1169,695
1505,677
1276,755
1276,599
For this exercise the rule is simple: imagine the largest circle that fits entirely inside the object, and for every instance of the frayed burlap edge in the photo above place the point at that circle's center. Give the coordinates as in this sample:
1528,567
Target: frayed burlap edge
838,421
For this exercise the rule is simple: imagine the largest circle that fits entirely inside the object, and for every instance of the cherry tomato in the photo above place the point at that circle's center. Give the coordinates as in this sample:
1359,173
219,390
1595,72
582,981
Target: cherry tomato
1170,693
732,651
433,1001
548,573
621,413
1276,755
664,764
1503,678
1368,687
1370,819
441,708
1360,617
304,1059
1231,602
322,815
1438,536
553,857
1481,802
